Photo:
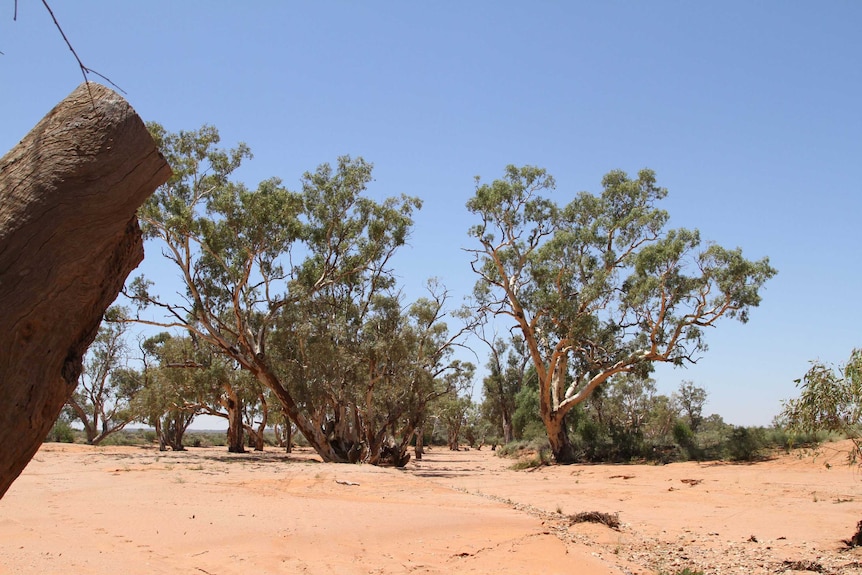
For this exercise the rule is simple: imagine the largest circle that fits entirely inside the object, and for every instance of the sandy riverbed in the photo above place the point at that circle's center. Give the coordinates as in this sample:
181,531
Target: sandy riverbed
131,510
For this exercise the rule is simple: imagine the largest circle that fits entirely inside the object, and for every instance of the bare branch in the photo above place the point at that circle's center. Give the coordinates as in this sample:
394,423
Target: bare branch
84,69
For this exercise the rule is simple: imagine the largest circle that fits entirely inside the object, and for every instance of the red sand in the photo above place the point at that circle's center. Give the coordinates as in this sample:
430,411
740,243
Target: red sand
109,510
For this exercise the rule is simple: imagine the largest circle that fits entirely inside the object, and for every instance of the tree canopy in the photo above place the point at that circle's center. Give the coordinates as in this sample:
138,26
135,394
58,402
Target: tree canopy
599,286
296,289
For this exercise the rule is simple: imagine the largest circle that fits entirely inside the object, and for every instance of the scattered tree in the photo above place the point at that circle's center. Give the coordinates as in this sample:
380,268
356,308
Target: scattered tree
166,388
106,386
691,400
506,368
598,287
295,288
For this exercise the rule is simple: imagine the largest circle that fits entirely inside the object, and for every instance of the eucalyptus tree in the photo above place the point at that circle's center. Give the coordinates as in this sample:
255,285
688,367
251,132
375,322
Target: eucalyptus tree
249,260
452,410
429,368
599,286
506,366
830,399
107,385
169,381
691,400
220,389
255,411
634,414
364,368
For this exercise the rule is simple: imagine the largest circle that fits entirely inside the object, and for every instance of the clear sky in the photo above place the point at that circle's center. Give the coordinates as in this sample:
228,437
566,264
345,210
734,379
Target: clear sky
749,112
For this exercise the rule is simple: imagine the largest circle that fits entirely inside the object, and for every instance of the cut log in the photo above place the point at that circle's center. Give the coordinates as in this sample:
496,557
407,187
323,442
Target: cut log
69,237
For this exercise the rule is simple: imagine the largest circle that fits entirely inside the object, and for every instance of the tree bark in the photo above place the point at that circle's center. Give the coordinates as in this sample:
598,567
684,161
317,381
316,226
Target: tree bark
235,440
68,240
508,431
419,449
558,437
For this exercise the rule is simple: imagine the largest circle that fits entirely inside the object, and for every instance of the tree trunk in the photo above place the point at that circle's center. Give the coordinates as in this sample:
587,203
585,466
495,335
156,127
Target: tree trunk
312,432
89,430
68,239
288,435
558,436
259,437
162,445
508,431
256,437
259,440
419,449
235,440
174,430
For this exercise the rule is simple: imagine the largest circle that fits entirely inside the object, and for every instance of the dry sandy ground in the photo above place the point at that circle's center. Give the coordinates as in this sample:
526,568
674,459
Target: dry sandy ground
126,510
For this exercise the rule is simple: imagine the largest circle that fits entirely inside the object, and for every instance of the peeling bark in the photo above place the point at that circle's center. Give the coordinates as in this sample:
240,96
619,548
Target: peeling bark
68,239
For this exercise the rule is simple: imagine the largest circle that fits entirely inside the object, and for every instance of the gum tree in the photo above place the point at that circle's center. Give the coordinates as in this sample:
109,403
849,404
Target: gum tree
250,260
599,286
166,388
691,400
506,371
106,386
364,368
829,400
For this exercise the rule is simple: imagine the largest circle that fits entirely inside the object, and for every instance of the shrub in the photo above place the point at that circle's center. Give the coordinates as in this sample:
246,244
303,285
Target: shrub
685,438
745,443
538,459
61,432
519,448
534,453
534,430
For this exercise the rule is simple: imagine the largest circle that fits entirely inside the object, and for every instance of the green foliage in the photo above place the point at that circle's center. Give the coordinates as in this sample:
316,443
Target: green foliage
172,378
691,400
685,439
61,431
295,288
830,400
205,439
506,365
598,286
745,444
529,453
107,386
628,421
538,459
525,420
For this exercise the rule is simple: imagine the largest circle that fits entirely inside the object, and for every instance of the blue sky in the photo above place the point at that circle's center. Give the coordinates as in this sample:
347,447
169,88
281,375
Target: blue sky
749,112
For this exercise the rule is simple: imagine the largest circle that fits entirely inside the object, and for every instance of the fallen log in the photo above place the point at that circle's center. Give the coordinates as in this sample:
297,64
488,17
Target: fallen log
69,237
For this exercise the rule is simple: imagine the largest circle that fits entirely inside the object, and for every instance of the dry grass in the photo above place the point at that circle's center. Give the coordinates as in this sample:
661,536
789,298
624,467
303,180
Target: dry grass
612,521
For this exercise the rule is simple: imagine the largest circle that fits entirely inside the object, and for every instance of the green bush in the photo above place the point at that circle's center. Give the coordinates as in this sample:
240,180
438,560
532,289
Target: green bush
126,437
533,430
783,438
686,440
519,448
745,443
61,432
533,453
540,458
